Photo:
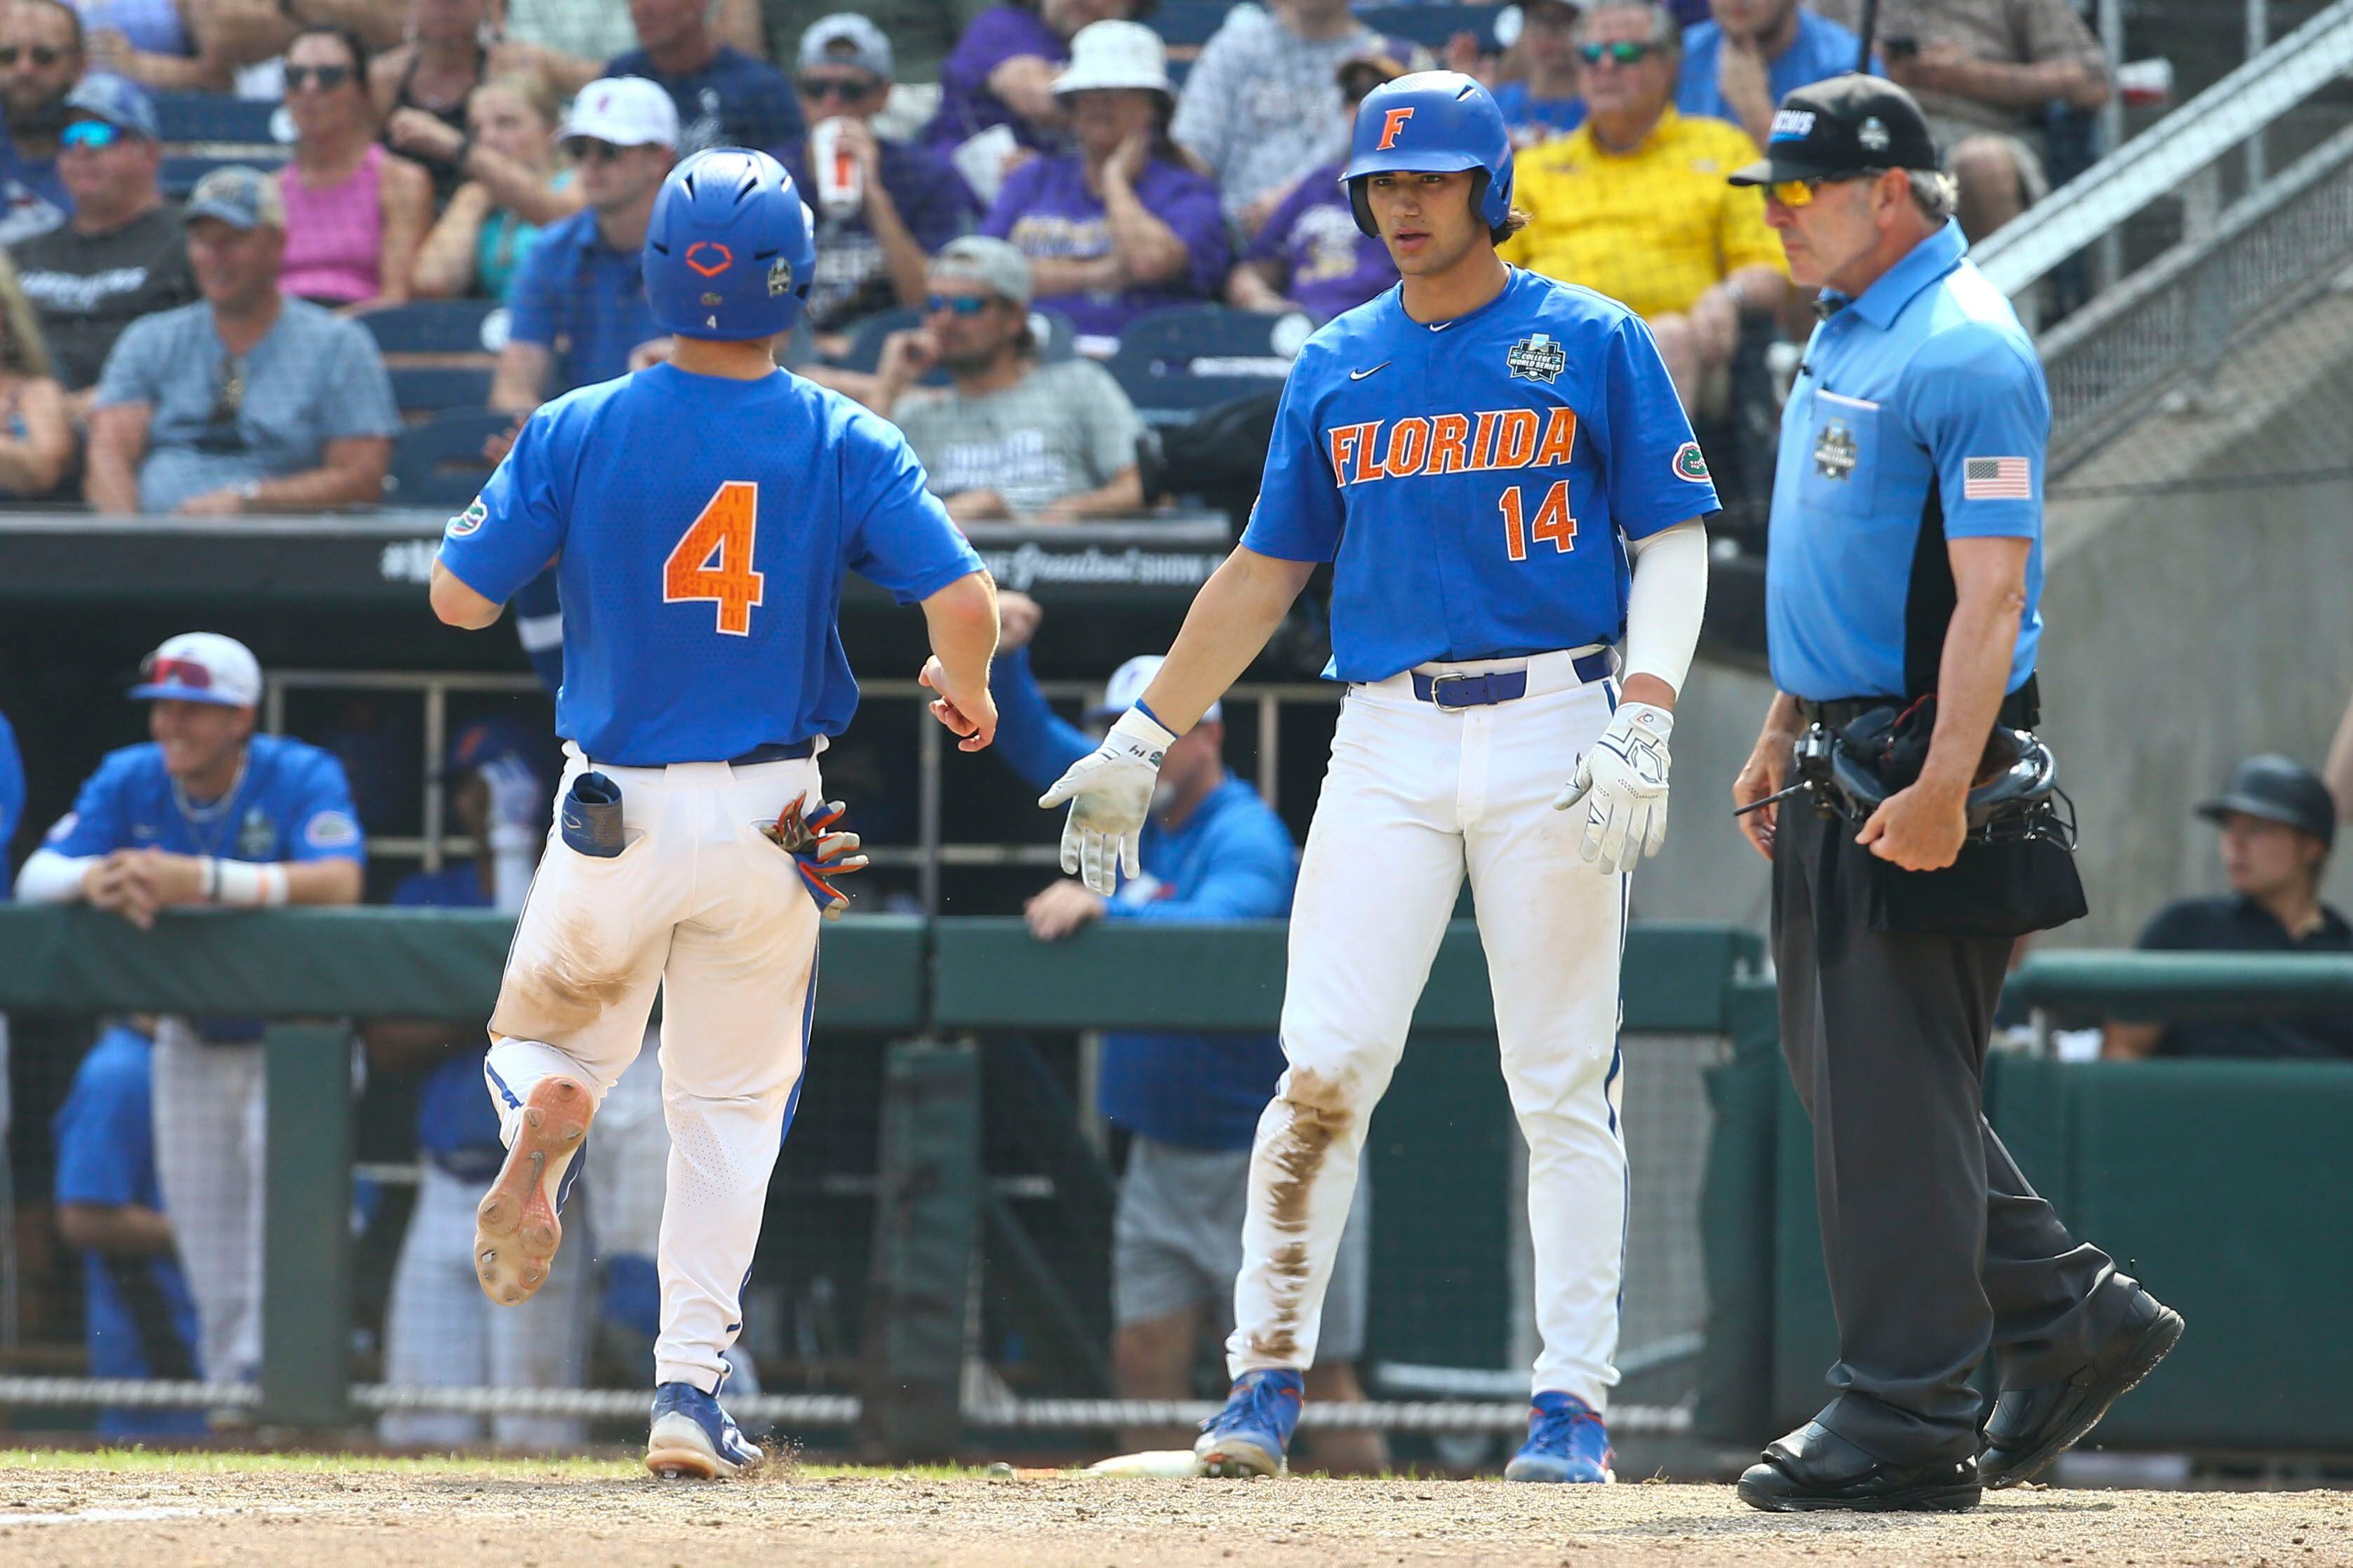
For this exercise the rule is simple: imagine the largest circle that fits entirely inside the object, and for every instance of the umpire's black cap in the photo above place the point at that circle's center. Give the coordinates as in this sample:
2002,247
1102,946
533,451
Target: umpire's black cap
1850,124
2277,789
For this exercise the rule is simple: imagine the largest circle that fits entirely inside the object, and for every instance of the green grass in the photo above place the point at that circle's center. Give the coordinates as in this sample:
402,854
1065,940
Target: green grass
214,1462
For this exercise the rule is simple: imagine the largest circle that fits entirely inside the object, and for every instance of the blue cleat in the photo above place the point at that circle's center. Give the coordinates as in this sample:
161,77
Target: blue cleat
694,1439
1567,1442
1251,1435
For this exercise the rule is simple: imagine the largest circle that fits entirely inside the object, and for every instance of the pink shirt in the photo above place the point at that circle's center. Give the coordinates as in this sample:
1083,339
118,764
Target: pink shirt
334,234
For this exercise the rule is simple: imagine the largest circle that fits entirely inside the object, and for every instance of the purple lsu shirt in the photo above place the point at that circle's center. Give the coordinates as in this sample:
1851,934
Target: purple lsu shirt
1048,213
1332,265
967,107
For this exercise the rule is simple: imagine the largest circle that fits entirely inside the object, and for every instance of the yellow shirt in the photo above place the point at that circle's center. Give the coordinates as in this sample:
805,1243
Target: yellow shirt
1653,229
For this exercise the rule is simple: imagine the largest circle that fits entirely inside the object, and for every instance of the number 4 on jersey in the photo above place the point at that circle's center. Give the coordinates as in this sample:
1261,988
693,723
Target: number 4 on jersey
713,560
1553,523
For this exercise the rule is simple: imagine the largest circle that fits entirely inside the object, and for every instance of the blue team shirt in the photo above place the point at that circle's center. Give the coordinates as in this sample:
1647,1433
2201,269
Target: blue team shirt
730,100
1533,119
1919,411
105,1135
456,1126
582,300
12,800
703,526
1823,50
1476,480
293,802
1231,860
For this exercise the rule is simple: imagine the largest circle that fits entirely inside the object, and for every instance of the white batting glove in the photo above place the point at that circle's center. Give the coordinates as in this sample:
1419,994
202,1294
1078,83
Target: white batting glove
518,815
1109,791
1622,783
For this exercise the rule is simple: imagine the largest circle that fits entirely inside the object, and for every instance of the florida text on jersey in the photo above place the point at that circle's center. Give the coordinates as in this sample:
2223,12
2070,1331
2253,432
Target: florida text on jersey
1476,478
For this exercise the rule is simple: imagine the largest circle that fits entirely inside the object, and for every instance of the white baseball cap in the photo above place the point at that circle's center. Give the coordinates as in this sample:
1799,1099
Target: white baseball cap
200,667
1126,686
625,110
1116,55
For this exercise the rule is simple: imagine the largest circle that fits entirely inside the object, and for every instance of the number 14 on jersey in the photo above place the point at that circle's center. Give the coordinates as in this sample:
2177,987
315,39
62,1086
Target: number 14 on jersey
713,559
1552,522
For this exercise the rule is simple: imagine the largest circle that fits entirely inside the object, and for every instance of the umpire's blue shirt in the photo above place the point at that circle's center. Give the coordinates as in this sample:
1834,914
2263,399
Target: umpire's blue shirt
1231,860
1918,416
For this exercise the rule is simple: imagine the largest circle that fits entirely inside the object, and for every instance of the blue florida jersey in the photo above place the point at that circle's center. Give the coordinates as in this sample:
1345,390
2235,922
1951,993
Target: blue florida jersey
700,528
1476,480
291,803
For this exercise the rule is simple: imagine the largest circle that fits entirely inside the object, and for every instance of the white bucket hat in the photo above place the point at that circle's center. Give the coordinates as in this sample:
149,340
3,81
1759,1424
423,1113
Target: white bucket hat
1108,54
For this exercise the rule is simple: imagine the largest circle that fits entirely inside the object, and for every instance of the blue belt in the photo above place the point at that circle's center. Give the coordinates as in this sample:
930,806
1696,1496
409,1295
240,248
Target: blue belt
775,751
1484,689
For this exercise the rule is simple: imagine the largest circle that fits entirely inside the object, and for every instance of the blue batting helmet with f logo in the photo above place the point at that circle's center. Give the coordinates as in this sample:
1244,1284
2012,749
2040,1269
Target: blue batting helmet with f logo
730,252
1431,122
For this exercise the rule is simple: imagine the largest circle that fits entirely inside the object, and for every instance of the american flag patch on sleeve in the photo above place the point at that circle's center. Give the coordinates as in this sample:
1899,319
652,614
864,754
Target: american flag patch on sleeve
1995,479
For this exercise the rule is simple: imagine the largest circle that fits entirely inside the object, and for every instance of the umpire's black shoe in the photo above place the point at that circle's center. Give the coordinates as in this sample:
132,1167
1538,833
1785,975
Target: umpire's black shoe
2031,1427
1814,1468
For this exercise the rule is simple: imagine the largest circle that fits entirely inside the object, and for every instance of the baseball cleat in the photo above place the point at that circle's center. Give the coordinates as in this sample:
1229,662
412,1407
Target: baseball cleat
693,1439
516,1227
1567,1442
2029,1427
1251,1435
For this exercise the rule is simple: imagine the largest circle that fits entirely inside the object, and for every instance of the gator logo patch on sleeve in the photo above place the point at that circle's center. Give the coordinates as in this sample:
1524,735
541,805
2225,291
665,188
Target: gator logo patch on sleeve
1690,464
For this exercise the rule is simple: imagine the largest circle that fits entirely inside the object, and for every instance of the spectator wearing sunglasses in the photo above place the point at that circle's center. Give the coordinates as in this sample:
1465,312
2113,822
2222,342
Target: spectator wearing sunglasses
249,400
1549,101
40,61
124,254
1310,256
579,302
724,96
872,246
514,190
1009,437
355,214
1633,203
1751,54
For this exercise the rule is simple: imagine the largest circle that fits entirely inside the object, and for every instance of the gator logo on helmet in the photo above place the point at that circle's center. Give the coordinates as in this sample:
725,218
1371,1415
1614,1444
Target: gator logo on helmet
713,300
1394,124
709,259
780,277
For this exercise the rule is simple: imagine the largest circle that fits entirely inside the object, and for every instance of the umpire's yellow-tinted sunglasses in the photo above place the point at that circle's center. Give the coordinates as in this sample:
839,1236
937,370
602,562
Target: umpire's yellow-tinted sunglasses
1800,193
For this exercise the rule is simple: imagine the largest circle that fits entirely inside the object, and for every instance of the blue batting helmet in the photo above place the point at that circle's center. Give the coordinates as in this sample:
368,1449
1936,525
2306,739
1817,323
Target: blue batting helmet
729,254
1432,123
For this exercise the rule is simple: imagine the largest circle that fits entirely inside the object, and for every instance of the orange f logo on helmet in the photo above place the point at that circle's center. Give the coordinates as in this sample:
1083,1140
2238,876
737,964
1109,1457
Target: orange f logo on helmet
1391,126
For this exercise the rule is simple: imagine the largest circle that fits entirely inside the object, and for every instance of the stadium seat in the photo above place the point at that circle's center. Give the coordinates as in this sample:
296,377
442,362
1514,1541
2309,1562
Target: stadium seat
215,116
181,172
439,463
1194,356
432,388
1432,26
1187,24
435,327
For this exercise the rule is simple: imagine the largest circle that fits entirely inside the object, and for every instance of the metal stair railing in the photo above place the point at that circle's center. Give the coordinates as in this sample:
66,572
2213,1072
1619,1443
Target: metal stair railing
2174,156
2168,327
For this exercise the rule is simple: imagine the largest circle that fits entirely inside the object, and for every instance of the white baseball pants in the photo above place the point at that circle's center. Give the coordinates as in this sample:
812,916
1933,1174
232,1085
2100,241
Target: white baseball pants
211,1140
700,903
441,1332
1414,797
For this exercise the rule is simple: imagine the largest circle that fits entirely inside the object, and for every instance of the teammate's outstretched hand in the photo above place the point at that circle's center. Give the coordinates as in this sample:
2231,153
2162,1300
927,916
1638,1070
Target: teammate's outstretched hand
1622,783
972,715
1109,791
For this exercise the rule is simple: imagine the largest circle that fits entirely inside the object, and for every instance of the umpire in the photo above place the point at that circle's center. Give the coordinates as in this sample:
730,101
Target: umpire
1905,562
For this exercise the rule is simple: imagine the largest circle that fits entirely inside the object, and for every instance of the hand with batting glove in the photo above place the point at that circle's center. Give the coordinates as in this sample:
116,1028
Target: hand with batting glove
1622,783
1109,791
819,850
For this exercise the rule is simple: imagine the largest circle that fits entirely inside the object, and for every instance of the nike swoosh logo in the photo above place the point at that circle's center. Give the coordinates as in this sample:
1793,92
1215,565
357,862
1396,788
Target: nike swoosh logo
1360,374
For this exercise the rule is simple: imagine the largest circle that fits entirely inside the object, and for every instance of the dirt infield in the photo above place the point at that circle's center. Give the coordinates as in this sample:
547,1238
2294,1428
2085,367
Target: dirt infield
68,1513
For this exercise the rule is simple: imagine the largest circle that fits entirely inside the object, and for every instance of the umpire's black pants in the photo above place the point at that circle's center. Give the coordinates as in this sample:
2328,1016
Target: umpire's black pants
1937,1246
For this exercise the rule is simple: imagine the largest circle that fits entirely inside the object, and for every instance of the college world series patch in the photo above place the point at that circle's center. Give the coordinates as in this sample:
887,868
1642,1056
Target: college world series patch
1538,358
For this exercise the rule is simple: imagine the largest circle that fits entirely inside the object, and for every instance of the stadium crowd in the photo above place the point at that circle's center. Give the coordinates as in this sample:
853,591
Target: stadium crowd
186,332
